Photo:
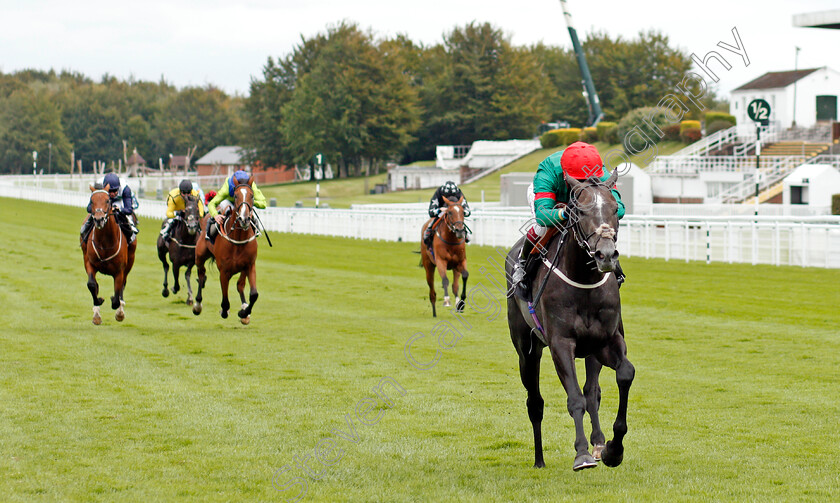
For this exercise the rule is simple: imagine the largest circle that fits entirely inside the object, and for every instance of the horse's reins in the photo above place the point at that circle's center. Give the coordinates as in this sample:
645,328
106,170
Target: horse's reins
450,226
236,211
93,239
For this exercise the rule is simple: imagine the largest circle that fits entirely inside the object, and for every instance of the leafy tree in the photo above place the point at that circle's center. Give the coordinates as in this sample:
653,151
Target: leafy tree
30,121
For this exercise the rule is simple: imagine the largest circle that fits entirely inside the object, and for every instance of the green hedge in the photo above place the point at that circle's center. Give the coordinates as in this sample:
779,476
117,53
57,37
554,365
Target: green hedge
589,135
606,131
641,118
718,116
550,139
835,204
714,127
689,125
569,135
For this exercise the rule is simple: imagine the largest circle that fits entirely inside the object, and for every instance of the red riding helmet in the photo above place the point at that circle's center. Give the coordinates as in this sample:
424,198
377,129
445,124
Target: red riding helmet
210,195
581,160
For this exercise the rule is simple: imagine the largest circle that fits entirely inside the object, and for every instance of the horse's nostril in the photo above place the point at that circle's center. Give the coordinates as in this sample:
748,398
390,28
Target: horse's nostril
599,255
615,255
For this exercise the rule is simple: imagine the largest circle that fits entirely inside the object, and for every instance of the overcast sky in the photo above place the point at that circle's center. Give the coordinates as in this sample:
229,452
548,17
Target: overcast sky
226,43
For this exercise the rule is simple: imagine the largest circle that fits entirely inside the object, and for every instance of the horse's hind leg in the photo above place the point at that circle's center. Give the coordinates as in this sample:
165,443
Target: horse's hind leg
592,393
245,313
529,372
430,279
624,374
563,353
162,256
176,271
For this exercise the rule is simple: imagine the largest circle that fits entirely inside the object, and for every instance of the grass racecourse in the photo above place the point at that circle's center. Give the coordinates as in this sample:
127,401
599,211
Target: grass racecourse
735,397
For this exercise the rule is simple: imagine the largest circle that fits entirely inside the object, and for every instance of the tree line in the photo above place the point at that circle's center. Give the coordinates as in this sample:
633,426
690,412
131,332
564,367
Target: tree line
358,99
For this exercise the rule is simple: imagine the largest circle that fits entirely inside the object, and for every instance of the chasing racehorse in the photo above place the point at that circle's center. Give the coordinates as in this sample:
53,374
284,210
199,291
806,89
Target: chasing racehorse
577,315
107,251
235,251
448,252
181,247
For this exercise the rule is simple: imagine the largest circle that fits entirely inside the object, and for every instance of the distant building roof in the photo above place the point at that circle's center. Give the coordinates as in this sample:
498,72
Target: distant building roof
774,80
136,160
223,155
823,19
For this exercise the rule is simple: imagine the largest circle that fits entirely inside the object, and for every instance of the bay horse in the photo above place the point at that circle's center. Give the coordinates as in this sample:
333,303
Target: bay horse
235,251
578,315
181,247
107,251
448,252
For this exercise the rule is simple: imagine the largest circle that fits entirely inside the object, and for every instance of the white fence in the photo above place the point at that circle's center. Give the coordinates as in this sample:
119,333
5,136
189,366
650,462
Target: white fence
799,241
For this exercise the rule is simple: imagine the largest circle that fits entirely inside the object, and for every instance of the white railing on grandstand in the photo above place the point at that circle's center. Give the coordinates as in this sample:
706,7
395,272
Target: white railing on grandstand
712,142
799,241
770,175
694,165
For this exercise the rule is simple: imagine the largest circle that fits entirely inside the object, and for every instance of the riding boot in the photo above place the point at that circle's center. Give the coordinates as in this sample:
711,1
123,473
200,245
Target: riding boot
211,230
520,280
619,274
85,231
427,235
167,228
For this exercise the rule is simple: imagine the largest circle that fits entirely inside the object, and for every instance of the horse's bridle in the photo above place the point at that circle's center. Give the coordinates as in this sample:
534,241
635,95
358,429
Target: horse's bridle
107,212
250,206
574,212
451,225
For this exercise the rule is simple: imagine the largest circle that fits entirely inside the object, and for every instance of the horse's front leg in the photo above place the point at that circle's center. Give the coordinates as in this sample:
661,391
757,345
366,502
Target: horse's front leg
245,313
616,357
563,354
592,393
441,268
117,301
430,279
459,304
224,281
187,278
202,278
93,286
162,251
176,271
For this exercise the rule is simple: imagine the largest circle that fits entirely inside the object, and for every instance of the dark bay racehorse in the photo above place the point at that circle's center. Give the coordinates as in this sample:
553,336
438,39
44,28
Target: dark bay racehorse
448,252
181,247
107,251
578,315
235,251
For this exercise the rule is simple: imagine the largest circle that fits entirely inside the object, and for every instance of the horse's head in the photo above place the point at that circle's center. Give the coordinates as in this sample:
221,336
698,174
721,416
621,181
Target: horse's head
100,205
191,217
454,217
594,219
243,196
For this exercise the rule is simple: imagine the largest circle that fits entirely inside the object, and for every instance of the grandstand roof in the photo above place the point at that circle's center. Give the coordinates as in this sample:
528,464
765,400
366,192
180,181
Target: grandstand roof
774,80
824,19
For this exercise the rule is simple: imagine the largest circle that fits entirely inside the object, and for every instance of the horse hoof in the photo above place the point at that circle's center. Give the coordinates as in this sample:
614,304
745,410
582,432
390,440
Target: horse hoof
223,313
446,302
97,318
584,461
596,451
459,306
189,301
612,455
120,315
245,320
175,289
165,292
196,309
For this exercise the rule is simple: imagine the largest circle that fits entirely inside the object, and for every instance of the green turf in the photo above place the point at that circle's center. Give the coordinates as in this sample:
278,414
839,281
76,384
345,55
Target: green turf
735,397
344,192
